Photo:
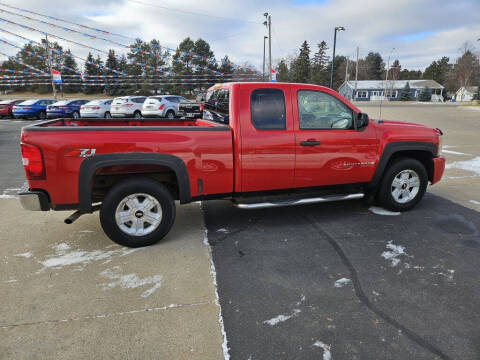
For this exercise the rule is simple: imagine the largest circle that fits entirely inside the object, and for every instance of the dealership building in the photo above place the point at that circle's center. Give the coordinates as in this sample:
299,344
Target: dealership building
374,90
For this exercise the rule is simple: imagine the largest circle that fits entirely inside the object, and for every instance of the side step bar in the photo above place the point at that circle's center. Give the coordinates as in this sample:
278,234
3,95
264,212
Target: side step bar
304,201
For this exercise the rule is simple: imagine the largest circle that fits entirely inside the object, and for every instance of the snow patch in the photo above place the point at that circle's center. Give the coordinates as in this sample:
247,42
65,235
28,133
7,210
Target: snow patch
475,202
341,282
63,257
327,355
454,152
223,230
26,255
7,196
281,318
381,211
130,281
11,281
395,252
472,165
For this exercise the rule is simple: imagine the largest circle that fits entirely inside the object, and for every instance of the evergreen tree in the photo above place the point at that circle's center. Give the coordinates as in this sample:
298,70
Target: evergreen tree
90,69
182,64
301,65
395,70
282,71
226,66
319,70
405,93
70,63
425,95
111,76
375,67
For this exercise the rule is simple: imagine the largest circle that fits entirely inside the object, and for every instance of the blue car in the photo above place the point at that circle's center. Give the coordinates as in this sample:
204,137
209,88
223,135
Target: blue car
35,108
65,108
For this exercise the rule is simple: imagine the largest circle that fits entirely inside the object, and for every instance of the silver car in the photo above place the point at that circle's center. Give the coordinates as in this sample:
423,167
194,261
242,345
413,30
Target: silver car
127,106
165,106
96,109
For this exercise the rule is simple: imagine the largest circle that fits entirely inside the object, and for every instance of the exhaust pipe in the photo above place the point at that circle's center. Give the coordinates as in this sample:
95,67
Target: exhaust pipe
73,217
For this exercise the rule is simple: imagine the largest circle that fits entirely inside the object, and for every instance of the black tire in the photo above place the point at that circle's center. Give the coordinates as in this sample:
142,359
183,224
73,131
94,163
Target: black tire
170,114
385,195
132,186
107,115
41,115
137,115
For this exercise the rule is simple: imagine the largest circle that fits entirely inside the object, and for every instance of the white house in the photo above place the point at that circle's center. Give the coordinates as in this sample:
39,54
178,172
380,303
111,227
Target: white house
466,93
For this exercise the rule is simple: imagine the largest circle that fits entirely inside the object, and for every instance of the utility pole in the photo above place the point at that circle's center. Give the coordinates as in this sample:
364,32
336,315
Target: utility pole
268,24
356,74
263,73
346,71
49,57
385,88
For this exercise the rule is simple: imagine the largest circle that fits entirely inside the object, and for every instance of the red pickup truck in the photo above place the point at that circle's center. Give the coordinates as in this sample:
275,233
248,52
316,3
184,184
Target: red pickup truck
257,144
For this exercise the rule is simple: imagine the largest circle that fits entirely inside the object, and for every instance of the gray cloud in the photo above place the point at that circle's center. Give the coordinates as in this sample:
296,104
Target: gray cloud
371,24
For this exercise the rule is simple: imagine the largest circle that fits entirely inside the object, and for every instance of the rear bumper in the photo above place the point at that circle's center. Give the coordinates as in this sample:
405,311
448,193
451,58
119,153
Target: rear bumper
34,200
56,114
438,169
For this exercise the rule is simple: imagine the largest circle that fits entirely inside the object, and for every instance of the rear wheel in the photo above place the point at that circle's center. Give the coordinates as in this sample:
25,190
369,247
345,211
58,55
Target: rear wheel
137,212
170,115
41,115
137,115
76,115
108,115
403,185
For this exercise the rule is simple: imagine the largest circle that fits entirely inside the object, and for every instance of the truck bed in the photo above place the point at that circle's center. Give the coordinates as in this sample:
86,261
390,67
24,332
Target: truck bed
95,124
204,146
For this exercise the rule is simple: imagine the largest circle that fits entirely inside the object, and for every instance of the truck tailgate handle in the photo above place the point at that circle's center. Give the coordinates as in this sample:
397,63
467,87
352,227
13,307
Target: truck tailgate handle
310,142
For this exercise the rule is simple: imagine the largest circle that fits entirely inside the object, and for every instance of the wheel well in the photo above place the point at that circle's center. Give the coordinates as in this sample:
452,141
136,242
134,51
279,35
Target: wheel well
106,177
425,157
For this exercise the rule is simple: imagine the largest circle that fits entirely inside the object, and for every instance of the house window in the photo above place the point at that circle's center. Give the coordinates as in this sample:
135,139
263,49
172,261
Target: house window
392,93
377,93
362,94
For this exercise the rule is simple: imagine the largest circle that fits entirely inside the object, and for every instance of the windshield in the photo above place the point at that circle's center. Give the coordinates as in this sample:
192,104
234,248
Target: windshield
96,102
28,102
60,103
120,100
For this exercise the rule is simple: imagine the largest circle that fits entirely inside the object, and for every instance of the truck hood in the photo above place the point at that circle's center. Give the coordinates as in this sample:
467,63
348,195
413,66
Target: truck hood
405,131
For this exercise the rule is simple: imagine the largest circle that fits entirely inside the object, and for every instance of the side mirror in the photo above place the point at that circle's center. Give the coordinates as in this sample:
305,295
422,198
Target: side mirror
362,120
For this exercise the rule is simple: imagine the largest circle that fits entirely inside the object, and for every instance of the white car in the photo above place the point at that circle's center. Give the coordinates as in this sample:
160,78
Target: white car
165,106
96,109
127,106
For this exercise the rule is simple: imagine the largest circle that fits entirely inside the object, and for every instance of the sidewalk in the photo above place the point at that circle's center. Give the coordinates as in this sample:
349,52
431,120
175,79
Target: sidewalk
68,292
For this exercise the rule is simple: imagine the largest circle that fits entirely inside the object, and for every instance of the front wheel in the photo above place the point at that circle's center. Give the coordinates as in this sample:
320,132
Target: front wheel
137,212
403,185
41,115
137,115
170,115
76,115
108,115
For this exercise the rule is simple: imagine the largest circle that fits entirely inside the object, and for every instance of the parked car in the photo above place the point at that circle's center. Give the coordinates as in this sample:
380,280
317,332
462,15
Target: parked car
165,106
6,107
271,144
96,109
65,108
35,108
127,106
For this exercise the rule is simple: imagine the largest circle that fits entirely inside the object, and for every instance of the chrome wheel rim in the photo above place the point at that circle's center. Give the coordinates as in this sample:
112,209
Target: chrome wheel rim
170,115
138,214
405,186
75,115
108,116
138,115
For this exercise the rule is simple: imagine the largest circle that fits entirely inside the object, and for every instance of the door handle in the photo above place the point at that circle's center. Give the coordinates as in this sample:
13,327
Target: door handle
310,142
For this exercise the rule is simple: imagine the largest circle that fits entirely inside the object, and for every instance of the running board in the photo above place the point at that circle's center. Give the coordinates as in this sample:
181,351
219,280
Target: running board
327,198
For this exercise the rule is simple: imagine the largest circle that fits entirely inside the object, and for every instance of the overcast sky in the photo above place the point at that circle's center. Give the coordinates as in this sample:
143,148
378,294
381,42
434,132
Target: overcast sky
420,31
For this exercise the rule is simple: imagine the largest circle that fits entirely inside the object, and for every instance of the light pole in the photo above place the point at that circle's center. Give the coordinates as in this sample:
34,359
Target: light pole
337,28
268,24
263,73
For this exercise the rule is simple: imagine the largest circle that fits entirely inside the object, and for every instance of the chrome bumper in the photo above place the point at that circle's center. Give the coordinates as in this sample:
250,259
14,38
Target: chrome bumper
34,201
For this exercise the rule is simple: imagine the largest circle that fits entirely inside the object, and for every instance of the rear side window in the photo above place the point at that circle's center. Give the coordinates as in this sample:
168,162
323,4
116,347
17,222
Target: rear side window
268,109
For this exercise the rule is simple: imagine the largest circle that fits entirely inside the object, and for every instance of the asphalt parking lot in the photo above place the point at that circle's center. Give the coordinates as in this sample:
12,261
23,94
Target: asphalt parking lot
331,281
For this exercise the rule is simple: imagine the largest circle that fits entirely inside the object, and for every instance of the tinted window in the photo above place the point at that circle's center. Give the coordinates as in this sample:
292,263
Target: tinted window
318,110
139,100
268,109
108,102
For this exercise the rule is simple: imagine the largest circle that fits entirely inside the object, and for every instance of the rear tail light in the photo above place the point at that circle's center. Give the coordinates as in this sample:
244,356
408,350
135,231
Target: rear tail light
32,162
201,107
27,107
127,105
63,107
95,107
161,107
